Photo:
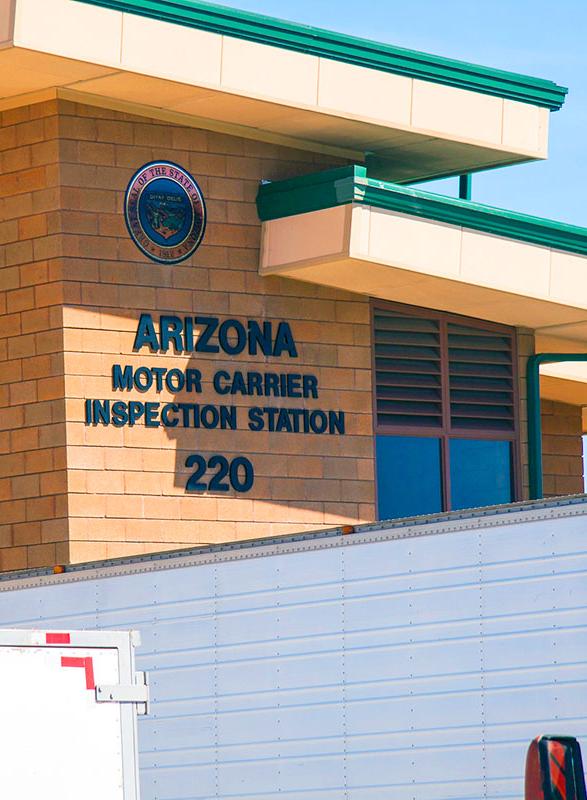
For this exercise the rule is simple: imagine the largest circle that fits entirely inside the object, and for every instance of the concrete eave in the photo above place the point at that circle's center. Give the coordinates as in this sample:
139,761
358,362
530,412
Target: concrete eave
565,382
408,128
531,278
407,259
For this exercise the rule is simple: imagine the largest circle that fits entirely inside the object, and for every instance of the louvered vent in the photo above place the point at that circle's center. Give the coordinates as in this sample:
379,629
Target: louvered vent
481,379
407,371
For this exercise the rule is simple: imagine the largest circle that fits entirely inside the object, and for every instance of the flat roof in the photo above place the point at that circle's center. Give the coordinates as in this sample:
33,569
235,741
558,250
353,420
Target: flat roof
342,47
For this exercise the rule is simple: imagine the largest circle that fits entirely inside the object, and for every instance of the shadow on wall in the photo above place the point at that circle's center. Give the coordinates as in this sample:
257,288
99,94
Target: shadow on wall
252,399
265,441
301,480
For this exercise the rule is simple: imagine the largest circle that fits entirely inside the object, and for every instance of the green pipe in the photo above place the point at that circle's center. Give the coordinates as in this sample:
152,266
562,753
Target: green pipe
534,420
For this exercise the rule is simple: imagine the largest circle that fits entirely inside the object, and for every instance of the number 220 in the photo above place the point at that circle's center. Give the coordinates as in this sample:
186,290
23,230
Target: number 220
239,471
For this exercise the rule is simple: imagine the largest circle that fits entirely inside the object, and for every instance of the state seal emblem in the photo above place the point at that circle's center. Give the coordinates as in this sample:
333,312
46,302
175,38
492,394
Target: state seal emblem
165,212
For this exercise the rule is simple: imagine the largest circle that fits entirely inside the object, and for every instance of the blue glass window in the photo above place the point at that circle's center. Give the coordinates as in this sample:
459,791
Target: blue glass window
408,476
480,473
446,421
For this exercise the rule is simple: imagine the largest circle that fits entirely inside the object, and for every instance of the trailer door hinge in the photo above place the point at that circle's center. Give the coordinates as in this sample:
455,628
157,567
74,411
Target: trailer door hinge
132,693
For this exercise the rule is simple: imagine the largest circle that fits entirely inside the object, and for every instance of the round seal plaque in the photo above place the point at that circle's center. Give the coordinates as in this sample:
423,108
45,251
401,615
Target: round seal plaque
165,212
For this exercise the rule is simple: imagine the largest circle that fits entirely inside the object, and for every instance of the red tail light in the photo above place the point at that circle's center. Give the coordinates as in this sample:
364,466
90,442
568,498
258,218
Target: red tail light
554,769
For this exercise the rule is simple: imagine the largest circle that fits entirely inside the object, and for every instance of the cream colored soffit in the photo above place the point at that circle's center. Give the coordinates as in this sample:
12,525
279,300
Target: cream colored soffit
565,382
413,128
423,262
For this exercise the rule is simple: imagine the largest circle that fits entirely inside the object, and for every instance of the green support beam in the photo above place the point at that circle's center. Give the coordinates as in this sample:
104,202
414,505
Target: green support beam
465,186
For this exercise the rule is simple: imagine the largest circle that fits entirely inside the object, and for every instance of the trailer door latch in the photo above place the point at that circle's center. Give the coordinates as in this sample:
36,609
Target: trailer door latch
133,693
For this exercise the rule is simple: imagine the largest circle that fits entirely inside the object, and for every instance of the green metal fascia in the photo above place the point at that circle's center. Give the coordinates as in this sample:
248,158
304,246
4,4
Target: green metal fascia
534,417
349,49
351,185
315,192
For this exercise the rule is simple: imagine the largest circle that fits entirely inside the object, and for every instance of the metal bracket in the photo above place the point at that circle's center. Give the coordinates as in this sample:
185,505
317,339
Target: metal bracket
133,693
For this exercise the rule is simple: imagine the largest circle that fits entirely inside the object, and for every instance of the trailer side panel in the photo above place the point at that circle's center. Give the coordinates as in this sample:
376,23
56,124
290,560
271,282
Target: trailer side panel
361,667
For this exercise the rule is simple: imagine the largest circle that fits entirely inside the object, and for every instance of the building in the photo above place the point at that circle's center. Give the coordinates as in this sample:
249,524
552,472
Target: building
224,315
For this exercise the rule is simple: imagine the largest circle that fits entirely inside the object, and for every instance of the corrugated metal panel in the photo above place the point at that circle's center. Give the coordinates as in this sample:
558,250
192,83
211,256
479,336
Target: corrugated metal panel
417,667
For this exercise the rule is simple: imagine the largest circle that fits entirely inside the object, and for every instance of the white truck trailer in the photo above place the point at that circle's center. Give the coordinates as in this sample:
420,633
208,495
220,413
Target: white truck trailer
68,705
412,659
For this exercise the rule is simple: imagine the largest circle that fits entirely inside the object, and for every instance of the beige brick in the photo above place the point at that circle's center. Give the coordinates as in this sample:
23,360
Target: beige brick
13,511
52,435
6,539
87,505
21,347
26,533
50,388
41,555
9,323
39,460
49,294
13,558
562,447
124,489
8,231
161,507
26,180
55,530
35,320
122,458
367,512
36,367
53,483
123,507
38,414
18,205
85,458
25,486
175,300
40,508
80,552
32,227
139,483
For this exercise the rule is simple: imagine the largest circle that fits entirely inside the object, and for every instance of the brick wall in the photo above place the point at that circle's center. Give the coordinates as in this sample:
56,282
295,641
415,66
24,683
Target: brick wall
33,502
72,288
126,486
562,448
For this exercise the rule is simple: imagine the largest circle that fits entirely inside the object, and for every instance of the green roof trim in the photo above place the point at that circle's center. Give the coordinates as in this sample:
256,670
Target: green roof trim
351,185
341,47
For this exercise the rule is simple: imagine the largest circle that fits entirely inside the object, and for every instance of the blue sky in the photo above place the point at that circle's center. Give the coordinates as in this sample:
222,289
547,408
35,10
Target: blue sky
535,37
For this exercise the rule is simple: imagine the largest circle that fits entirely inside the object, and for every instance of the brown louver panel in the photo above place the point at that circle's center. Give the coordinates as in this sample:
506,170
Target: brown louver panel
480,378
407,371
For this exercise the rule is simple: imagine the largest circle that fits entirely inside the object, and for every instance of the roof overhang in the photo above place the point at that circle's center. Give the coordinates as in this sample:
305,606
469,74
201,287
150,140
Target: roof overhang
565,382
411,116
344,230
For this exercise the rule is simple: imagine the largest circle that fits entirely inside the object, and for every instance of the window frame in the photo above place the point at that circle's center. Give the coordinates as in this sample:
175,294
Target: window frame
445,432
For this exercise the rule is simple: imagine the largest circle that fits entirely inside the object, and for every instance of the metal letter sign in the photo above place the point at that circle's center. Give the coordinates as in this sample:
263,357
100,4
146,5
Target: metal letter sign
165,212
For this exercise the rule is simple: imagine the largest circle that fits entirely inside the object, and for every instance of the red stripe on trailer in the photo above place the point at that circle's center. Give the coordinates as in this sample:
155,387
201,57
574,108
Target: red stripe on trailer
58,638
85,663
90,683
72,661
